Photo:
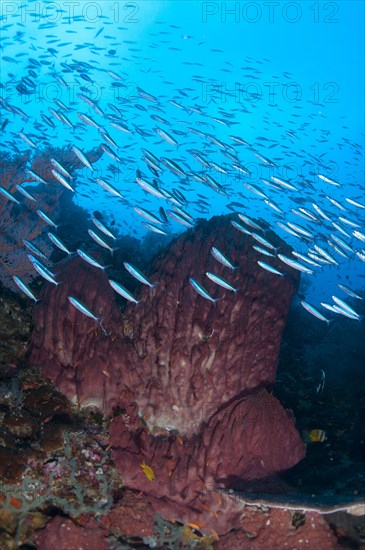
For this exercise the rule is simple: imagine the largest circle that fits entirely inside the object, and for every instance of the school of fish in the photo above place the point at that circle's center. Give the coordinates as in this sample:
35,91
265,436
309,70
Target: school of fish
170,156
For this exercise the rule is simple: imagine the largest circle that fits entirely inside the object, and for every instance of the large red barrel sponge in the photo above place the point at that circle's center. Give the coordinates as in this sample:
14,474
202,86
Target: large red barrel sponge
194,355
177,363
176,353
251,438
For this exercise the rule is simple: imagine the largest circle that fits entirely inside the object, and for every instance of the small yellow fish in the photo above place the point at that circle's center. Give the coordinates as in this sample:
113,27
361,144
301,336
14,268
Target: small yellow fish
314,436
148,472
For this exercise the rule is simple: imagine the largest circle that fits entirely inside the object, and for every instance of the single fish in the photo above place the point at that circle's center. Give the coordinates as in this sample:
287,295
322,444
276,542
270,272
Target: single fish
336,203
305,214
103,228
200,158
328,180
359,235
173,166
273,205
239,140
80,155
8,195
355,203
104,134
147,215
341,230
48,121
122,291
138,275
152,164
162,214
264,159
24,288
361,255
314,436
255,190
88,120
339,250
320,212
89,259
166,136
108,187
350,292
81,307
179,218
240,228
58,242
27,140
262,241
110,152
219,281
200,290
217,254
284,183
320,386
311,309
59,177
240,168
263,251
63,118
181,211
314,311
270,268
294,264
301,230
249,221
121,127
154,228
150,188
25,193
33,248
45,218
148,472
100,241
349,222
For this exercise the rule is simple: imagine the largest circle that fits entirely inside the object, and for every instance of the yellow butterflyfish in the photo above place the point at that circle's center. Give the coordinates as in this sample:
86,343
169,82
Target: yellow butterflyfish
314,436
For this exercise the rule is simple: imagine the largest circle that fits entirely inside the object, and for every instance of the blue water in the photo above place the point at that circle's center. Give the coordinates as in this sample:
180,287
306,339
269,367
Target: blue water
286,77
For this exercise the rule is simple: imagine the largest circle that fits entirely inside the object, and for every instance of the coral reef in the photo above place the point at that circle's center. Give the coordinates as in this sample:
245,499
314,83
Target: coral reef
191,419
51,458
279,529
64,534
186,379
16,325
